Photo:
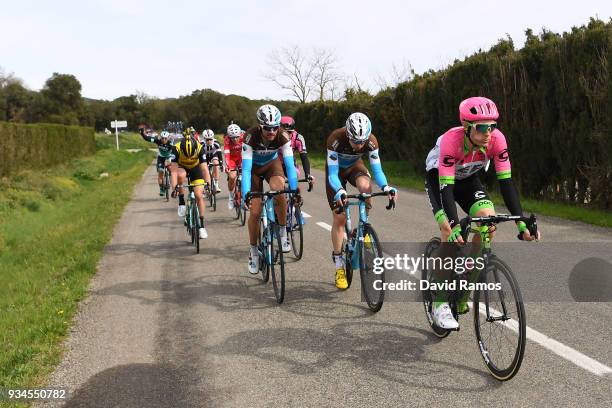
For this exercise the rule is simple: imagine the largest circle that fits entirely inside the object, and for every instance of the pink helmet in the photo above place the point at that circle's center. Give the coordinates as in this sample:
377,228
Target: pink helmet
287,122
478,108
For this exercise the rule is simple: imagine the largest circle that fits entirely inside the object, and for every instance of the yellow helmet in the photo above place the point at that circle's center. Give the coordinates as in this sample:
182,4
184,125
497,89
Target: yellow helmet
189,147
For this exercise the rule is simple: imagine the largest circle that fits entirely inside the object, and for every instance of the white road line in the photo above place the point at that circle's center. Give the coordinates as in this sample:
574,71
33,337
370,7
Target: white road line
324,225
556,347
306,215
560,349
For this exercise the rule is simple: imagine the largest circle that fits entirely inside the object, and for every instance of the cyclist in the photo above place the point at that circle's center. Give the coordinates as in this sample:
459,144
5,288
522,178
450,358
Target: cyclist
214,155
260,160
298,145
232,148
189,158
345,148
164,152
453,169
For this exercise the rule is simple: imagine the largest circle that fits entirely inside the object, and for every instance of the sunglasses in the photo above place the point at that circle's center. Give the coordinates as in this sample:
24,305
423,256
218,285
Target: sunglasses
270,128
485,127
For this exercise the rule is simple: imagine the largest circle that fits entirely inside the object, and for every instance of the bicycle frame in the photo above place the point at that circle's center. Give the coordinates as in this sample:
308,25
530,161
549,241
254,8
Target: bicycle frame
348,228
267,217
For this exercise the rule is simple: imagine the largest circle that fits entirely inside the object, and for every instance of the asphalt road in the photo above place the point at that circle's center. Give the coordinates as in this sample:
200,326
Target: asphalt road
164,327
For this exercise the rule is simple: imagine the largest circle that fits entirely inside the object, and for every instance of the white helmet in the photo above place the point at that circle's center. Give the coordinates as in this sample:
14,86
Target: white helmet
358,127
165,134
234,131
268,115
208,134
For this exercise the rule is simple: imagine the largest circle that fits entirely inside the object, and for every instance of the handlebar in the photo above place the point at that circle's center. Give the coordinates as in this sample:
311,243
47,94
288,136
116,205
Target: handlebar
365,196
531,221
269,194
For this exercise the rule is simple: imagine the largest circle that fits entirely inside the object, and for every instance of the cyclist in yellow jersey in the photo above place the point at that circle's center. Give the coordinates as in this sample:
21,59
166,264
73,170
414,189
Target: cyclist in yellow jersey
189,158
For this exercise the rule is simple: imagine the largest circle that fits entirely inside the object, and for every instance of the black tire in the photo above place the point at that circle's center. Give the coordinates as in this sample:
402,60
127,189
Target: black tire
167,184
213,199
278,266
237,207
348,255
243,217
264,266
196,227
503,371
374,297
428,295
297,233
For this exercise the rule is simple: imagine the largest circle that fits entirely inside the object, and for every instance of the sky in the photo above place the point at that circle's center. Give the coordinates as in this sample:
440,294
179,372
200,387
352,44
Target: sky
171,48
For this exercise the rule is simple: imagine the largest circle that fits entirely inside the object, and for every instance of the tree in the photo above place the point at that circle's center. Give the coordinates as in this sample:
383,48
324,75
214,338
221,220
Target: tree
292,71
326,77
398,73
61,99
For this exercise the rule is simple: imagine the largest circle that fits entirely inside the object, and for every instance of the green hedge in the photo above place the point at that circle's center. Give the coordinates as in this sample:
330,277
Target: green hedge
41,145
555,101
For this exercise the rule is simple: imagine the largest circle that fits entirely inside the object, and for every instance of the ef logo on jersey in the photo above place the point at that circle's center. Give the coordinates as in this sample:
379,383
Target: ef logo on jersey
503,155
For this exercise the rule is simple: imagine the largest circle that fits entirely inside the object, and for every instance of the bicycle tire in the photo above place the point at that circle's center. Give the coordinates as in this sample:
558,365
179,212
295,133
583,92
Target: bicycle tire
196,227
214,201
167,184
366,270
243,217
348,255
297,232
428,295
264,266
278,273
519,325
236,201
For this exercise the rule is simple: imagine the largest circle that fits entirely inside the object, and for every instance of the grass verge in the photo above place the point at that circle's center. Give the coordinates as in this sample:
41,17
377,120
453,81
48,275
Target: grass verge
54,225
401,175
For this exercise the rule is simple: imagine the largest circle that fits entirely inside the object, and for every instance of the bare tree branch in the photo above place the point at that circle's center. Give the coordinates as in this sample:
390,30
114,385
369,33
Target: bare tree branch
326,77
397,74
292,71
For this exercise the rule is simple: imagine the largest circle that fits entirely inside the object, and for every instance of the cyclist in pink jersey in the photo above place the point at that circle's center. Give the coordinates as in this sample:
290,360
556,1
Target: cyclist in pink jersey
453,168
298,144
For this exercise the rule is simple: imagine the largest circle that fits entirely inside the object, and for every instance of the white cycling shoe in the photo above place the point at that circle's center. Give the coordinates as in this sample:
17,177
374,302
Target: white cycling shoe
285,244
443,317
182,210
203,233
254,265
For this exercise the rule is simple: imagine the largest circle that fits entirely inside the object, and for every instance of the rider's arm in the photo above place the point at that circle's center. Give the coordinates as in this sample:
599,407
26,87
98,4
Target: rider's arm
332,170
226,148
287,152
301,147
503,169
446,178
247,165
379,175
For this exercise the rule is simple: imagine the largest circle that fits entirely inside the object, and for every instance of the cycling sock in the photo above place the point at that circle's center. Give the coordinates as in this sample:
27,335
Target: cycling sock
441,298
202,222
338,260
253,251
181,199
283,231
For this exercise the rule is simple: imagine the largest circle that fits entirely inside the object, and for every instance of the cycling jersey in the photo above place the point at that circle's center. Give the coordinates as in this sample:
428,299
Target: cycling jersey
232,149
188,162
458,162
453,160
212,150
164,149
298,145
256,151
341,155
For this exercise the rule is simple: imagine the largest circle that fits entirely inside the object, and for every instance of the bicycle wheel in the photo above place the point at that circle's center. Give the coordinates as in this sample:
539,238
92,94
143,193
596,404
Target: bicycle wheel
167,184
243,217
236,201
297,233
500,321
278,264
264,255
214,201
367,253
196,227
347,254
429,295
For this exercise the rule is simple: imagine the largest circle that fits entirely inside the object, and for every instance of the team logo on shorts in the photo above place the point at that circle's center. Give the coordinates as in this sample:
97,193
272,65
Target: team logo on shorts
479,195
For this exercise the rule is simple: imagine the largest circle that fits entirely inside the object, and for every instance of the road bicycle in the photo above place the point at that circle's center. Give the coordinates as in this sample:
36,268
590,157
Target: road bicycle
211,192
497,302
295,222
269,246
361,246
192,216
237,194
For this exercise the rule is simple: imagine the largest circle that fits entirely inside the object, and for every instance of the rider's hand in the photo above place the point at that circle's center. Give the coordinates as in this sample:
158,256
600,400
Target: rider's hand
391,191
455,235
525,234
340,197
